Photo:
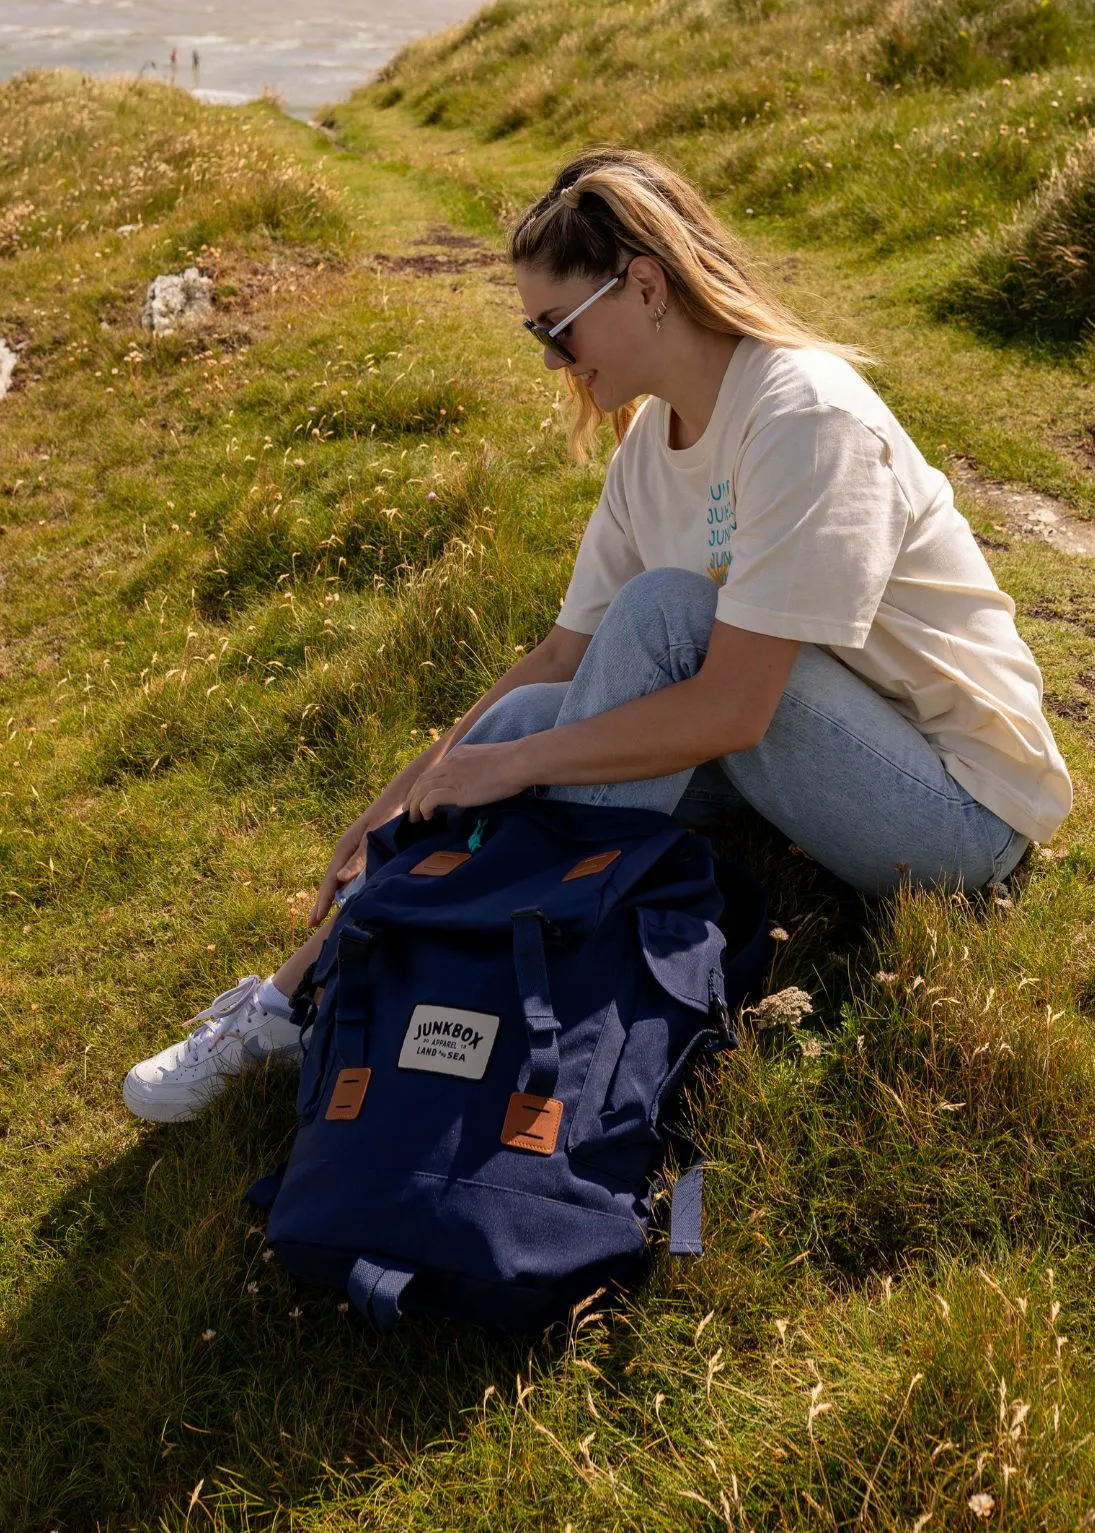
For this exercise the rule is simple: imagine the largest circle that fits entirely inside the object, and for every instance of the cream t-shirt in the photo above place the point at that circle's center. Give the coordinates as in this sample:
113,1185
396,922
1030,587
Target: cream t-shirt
819,520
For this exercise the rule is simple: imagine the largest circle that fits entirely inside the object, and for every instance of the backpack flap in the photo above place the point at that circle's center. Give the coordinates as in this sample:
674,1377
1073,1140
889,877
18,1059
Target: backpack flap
575,862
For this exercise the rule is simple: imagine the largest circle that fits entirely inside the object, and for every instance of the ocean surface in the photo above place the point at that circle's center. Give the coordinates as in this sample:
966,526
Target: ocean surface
310,54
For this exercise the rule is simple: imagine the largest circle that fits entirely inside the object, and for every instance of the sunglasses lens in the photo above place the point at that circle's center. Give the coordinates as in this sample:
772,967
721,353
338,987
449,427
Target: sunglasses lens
544,339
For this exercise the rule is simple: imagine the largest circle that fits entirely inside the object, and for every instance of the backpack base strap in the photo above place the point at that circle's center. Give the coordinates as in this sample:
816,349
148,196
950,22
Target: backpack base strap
376,1291
686,1213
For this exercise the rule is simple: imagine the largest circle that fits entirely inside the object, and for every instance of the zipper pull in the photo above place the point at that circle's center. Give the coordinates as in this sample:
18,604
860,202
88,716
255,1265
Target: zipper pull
475,840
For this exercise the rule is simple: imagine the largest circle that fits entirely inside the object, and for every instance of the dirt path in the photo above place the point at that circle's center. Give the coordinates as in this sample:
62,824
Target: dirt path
1026,513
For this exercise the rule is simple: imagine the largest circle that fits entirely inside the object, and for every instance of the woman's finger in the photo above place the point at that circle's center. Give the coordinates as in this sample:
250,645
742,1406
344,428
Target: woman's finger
323,901
351,867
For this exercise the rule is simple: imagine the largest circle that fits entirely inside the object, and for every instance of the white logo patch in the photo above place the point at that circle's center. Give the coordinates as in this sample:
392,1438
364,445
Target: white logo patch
448,1041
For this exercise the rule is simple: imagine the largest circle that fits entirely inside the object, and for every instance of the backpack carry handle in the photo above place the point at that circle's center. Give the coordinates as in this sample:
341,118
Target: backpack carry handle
542,1072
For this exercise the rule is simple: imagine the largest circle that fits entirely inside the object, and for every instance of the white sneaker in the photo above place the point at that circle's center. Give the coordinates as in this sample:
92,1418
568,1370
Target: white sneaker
182,1079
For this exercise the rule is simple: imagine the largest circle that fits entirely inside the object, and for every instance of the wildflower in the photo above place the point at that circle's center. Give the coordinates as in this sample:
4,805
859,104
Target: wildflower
344,1308
811,1048
296,1312
432,495
885,976
252,1288
981,1504
268,1254
208,1335
778,934
786,1008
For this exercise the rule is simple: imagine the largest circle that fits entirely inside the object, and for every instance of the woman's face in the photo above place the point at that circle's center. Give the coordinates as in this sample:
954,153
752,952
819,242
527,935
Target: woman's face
612,342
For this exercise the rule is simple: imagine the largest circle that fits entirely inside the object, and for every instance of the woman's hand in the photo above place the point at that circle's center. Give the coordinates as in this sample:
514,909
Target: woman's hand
466,776
349,855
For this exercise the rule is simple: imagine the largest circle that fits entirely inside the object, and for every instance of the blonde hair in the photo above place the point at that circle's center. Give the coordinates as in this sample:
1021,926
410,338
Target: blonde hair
610,205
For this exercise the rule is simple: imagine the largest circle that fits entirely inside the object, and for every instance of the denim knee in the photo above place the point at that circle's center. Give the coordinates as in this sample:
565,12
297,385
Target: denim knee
526,710
678,603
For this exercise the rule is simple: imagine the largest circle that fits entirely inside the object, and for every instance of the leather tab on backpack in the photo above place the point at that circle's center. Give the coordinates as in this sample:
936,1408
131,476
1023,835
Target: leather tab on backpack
437,864
588,865
532,1123
348,1095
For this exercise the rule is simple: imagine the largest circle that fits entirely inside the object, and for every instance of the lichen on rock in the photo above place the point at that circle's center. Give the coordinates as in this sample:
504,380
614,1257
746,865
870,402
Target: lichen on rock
8,360
177,301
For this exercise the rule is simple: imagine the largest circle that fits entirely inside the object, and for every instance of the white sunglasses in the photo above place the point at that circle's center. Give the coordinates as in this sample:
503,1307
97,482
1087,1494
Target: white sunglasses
547,337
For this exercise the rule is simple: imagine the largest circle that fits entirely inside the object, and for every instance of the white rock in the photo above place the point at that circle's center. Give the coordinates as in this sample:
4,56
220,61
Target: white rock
8,360
177,302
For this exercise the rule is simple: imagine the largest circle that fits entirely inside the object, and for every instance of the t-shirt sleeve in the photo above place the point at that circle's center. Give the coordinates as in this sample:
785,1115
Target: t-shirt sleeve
607,560
820,521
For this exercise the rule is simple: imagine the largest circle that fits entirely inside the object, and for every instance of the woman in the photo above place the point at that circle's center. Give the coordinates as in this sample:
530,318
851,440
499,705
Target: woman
775,601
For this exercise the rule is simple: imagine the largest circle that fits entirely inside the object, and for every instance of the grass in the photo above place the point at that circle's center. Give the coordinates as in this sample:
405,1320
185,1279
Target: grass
247,573
1037,276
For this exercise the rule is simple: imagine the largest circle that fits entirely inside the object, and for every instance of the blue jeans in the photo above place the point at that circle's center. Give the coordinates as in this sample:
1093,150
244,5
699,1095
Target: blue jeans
839,770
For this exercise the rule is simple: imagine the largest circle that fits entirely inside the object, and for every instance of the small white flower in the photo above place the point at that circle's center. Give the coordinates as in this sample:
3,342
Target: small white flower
268,1254
295,1313
252,1288
981,1504
208,1335
786,1008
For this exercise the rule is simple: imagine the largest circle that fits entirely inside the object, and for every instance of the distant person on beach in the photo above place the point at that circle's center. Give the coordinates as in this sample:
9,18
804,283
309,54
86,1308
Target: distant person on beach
174,62
194,61
775,602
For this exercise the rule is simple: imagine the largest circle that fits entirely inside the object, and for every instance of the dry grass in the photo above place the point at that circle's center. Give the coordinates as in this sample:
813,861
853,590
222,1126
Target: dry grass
1035,278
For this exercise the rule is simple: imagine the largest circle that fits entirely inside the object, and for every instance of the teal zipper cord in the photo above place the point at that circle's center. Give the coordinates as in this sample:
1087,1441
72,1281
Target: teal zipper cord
475,840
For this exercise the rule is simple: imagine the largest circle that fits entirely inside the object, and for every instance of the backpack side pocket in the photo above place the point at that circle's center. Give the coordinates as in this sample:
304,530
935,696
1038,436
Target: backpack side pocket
640,1053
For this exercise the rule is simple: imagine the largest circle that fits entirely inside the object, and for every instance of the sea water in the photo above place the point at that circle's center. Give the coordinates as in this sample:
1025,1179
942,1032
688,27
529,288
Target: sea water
226,51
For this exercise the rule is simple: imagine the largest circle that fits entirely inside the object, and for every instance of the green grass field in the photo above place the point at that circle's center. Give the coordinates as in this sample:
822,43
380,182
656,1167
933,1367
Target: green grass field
245,573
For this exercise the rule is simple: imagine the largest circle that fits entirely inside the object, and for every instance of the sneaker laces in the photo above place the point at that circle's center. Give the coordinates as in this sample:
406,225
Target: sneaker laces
218,1017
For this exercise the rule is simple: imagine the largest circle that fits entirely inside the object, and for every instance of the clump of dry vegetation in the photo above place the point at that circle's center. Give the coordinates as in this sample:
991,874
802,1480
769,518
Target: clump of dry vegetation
79,155
1035,277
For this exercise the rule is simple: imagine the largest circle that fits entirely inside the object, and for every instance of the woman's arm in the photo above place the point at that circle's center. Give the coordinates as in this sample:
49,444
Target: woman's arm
555,658
727,706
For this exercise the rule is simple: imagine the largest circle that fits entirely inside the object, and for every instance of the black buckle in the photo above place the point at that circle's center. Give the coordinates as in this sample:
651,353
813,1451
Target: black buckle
302,1000
551,928
721,1021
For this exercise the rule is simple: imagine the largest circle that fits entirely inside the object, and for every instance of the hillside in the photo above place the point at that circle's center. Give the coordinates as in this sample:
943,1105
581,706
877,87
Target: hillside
247,571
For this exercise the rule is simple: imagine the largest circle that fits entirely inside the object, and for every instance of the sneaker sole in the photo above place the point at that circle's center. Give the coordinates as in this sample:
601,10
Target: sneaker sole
178,1104
158,1104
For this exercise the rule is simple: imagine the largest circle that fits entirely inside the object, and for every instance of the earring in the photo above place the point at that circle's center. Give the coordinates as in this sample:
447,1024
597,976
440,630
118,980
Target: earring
659,315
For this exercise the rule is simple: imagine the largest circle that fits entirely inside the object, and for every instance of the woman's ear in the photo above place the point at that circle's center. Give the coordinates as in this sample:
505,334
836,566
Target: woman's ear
650,282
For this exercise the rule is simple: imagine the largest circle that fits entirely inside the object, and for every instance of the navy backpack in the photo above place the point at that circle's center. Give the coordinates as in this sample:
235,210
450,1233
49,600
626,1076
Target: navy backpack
504,1010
